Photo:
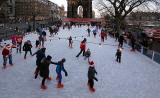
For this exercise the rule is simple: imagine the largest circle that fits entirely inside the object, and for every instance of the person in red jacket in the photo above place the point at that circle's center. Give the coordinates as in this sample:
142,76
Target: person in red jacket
102,36
13,38
19,40
7,53
82,47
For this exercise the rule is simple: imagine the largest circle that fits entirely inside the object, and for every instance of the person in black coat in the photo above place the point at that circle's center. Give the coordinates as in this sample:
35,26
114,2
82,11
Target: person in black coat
51,31
70,42
121,39
37,43
117,36
44,70
40,54
118,55
41,41
133,43
27,47
44,35
91,76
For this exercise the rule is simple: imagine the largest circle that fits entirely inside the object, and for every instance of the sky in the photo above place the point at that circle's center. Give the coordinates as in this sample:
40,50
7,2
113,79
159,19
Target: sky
64,2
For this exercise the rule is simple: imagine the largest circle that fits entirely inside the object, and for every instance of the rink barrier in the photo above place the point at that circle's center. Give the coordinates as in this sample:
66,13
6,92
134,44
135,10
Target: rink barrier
153,55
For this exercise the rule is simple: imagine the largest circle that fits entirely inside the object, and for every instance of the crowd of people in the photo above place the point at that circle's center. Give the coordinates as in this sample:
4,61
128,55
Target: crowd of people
43,62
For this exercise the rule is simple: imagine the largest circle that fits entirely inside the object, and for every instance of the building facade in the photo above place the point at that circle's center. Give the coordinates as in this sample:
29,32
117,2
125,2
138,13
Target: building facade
26,10
7,10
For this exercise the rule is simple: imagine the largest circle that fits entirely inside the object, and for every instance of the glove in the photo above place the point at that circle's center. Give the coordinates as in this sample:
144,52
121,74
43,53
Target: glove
66,74
96,79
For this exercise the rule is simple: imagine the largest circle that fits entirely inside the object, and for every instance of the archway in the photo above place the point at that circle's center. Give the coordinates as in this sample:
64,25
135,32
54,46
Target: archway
73,6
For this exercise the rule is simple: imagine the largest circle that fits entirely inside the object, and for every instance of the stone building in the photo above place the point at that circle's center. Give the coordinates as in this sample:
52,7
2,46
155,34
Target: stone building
7,10
26,10
73,8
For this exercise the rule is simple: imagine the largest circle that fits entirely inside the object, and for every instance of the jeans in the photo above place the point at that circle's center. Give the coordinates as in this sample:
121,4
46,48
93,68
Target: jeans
19,46
26,53
5,59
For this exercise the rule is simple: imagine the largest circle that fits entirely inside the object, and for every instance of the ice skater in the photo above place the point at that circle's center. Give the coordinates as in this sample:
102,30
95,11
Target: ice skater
27,47
70,42
7,53
60,67
87,54
118,55
91,76
40,54
19,40
44,70
82,47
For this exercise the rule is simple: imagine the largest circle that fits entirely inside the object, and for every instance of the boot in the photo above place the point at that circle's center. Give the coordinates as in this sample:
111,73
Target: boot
60,85
43,87
4,67
132,50
35,71
88,84
49,78
57,78
92,89
11,64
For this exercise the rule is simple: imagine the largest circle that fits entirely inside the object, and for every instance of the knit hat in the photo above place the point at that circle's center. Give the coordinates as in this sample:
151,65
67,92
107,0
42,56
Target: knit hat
49,57
8,46
91,63
63,60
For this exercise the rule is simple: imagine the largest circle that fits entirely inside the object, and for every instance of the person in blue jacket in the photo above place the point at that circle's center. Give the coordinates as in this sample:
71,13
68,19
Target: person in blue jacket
40,54
40,31
60,67
95,33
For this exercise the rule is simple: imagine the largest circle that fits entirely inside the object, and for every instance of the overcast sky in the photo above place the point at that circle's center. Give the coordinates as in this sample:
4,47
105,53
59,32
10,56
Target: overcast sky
64,2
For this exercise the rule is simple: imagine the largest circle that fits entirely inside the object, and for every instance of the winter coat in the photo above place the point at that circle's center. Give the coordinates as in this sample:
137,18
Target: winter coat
40,55
70,39
121,39
117,35
50,30
13,38
5,52
103,34
87,53
37,42
60,67
94,31
41,38
44,33
91,73
118,53
27,46
83,45
40,31
89,30
132,40
44,67
37,30
19,39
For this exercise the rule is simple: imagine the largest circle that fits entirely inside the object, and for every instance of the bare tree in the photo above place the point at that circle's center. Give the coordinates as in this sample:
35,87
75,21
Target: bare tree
119,9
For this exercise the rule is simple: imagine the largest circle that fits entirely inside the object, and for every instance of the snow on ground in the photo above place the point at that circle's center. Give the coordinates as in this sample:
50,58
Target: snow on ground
136,77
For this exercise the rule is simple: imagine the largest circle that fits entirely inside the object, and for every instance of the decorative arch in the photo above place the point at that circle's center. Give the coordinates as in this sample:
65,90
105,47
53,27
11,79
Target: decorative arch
73,6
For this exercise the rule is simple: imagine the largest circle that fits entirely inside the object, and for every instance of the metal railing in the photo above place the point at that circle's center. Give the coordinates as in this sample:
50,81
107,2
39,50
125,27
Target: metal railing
153,55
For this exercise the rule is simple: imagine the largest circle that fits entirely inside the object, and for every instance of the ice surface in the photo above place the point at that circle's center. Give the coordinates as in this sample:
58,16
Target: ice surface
136,77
